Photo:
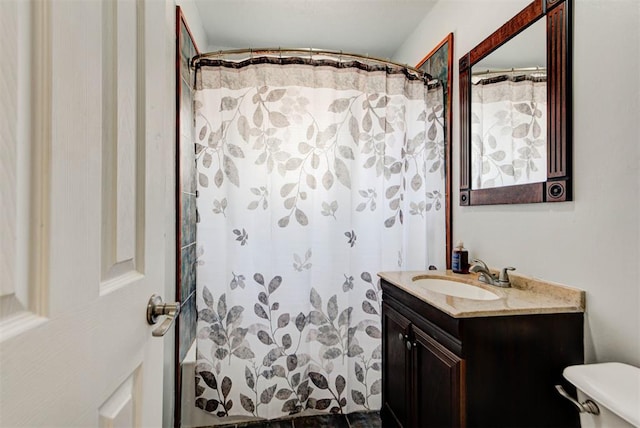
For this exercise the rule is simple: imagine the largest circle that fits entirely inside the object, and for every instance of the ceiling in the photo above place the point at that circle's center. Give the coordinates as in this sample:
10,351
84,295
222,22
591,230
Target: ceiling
370,27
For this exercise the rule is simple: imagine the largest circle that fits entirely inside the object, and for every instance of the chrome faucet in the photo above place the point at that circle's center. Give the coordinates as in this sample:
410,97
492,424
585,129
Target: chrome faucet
485,275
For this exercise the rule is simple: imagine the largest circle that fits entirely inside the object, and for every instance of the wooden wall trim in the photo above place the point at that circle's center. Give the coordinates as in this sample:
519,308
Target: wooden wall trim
522,20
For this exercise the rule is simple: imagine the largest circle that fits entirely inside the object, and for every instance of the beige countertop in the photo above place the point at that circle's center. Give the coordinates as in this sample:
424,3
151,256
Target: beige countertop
527,295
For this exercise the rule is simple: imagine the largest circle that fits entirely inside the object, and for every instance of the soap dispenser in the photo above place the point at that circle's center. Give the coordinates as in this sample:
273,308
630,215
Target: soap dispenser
460,259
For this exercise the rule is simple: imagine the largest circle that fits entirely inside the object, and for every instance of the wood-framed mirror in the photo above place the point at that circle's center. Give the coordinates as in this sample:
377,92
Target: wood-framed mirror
515,110
438,63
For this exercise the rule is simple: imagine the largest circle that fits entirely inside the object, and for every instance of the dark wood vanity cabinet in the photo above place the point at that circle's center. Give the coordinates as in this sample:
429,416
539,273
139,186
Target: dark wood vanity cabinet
496,371
422,378
396,366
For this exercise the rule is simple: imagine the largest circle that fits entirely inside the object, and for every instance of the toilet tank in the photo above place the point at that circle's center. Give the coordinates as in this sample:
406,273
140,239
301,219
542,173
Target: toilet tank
614,387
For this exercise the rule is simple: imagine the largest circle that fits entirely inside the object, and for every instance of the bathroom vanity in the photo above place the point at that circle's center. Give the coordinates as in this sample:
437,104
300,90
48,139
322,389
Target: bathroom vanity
456,361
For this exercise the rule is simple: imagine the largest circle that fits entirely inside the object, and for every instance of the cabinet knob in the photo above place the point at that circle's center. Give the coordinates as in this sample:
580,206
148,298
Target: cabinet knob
408,345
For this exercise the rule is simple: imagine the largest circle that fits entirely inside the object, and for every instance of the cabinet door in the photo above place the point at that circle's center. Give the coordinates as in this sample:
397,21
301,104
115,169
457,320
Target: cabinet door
438,384
395,368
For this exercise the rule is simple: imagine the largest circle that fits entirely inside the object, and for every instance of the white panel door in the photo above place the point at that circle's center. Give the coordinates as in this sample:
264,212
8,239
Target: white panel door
86,138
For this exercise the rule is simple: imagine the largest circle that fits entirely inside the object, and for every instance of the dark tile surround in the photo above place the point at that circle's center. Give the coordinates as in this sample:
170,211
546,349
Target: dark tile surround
186,322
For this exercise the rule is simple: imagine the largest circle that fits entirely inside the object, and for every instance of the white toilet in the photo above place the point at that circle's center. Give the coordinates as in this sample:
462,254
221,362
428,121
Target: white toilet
608,394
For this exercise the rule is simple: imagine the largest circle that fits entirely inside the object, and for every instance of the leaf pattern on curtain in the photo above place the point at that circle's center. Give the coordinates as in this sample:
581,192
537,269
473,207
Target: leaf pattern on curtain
508,133
305,193
322,156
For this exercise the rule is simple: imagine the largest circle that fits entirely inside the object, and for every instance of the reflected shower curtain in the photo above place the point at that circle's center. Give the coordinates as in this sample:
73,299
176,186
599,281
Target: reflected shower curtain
313,176
508,131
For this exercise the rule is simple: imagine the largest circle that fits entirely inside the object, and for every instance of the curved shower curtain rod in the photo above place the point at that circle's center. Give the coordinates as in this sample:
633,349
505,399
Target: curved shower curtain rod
310,51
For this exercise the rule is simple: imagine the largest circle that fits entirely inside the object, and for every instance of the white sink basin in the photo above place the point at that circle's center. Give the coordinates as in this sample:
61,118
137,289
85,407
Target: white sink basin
454,289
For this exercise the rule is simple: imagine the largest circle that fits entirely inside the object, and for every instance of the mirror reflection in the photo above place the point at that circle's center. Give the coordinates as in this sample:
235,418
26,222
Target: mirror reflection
509,112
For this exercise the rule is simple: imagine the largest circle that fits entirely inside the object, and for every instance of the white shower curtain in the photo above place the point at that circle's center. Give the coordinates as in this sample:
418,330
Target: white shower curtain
508,131
313,176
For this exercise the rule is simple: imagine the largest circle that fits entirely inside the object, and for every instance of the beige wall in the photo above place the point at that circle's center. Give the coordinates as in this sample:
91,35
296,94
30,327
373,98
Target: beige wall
593,242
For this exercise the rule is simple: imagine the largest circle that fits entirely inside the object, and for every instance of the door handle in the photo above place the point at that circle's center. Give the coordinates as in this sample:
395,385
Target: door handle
155,309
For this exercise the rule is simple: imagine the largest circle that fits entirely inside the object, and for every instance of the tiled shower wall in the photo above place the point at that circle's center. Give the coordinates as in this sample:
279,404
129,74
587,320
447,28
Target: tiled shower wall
186,194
